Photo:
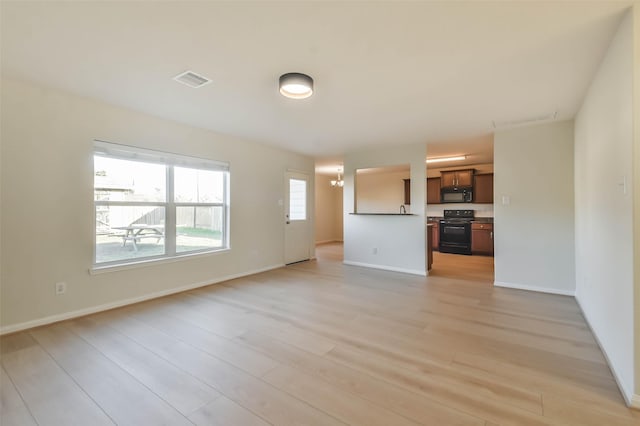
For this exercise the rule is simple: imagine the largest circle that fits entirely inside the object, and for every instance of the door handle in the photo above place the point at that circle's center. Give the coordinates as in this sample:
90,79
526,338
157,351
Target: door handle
491,235
287,221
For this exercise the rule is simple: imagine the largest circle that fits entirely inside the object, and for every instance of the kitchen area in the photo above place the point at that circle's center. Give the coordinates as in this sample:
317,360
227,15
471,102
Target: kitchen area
461,228
456,210
460,223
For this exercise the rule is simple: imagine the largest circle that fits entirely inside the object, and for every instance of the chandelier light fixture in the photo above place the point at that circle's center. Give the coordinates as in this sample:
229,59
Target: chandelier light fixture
296,85
337,183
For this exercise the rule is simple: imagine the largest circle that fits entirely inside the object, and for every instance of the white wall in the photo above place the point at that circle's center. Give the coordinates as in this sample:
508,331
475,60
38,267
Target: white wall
381,191
604,224
399,240
339,215
636,194
47,203
328,218
534,235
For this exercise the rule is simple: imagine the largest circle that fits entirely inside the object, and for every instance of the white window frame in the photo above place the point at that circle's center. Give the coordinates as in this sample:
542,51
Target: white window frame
170,160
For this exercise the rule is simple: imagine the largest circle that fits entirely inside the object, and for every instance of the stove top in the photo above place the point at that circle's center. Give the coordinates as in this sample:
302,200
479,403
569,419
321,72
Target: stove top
458,215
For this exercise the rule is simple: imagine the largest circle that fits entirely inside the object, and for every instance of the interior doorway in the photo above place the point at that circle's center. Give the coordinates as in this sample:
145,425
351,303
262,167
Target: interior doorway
459,211
329,212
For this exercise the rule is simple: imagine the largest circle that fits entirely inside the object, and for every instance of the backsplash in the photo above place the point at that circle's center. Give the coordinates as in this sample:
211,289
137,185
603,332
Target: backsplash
481,210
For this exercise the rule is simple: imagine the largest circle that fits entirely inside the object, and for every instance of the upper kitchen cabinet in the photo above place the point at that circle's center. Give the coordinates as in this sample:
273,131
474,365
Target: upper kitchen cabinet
433,190
483,188
457,178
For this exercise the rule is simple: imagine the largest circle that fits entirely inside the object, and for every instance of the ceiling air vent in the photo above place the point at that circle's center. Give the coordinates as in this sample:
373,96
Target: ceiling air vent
523,121
192,79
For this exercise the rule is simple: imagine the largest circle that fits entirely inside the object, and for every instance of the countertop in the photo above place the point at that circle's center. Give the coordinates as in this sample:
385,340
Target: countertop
383,214
483,220
476,219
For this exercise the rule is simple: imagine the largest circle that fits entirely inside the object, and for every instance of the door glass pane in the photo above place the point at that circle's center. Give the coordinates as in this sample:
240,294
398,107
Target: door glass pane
199,228
129,232
124,180
198,186
297,199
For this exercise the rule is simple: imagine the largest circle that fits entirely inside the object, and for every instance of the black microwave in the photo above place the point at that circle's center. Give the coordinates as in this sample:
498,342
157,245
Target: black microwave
456,195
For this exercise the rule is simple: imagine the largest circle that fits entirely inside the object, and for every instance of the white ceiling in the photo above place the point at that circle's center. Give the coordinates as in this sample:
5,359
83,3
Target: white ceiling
478,150
385,72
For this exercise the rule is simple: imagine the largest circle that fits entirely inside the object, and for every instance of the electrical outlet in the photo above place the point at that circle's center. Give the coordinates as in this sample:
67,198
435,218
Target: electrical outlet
374,250
61,288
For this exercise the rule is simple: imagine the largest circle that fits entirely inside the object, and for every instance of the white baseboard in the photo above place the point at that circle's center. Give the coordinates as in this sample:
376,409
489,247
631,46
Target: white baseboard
635,401
105,307
535,288
386,268
632,400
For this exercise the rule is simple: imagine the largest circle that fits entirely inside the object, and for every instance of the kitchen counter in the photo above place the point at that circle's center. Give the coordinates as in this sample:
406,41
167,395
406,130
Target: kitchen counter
476,219
383,214
482,220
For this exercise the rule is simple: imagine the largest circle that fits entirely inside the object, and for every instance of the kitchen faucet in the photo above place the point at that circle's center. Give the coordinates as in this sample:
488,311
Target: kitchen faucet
403,210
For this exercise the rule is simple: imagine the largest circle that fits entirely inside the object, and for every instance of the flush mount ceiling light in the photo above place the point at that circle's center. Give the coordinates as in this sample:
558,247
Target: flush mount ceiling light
443,159
296,85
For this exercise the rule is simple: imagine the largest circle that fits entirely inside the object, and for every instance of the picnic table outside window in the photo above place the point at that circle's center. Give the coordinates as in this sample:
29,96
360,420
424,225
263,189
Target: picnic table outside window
136,232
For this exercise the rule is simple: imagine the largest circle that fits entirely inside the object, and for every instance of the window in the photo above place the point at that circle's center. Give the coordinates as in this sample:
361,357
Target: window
297,199
153,205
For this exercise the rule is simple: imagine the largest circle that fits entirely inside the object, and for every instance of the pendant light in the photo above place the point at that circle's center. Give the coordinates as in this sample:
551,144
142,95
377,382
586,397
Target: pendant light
339,182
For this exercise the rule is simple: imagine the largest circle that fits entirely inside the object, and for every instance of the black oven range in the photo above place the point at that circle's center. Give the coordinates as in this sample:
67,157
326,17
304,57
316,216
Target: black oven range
455,231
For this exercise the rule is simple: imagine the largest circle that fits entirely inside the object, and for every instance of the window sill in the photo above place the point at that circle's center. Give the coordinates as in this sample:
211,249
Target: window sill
96,269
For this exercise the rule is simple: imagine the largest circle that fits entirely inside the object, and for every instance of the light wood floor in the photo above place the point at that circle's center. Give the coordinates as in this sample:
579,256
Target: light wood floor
319,343
477,269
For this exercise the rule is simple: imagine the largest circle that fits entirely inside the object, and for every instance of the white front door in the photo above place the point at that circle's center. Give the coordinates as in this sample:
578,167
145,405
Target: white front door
296,228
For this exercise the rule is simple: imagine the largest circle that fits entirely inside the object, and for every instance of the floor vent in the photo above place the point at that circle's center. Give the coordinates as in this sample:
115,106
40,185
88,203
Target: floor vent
192,79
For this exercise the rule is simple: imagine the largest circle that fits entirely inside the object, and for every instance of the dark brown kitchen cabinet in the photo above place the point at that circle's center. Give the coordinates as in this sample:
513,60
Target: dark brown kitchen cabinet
407,191
433,190
483,188
482,238
457,178
435,239
429,247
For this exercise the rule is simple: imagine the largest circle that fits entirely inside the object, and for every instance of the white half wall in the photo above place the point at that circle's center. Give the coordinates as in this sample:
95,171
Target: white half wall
534,225
399,241
47,204
604,205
